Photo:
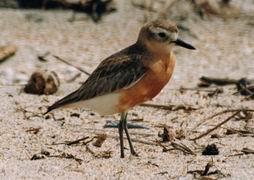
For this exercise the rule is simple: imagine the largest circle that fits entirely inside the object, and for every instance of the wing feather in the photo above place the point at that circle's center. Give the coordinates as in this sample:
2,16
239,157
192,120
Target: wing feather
114,73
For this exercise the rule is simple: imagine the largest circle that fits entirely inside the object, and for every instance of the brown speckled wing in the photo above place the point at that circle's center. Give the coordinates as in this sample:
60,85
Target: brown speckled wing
114,73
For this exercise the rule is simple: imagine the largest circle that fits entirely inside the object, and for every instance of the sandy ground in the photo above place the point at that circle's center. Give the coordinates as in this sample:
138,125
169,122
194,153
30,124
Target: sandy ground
225,49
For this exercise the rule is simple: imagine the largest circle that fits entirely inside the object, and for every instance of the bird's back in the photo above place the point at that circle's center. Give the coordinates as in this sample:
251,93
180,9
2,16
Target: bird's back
114,73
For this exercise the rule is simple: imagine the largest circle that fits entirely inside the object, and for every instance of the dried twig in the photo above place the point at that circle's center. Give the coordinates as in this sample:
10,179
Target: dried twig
176,146
204,172
33,130
207,81
43,56
244,86
74,78
67,156
24,111
239,131
64,155
182,147
69,143
164,148
76,141
247,151
209,90
243,151
77,67
223,112
217,126
170,107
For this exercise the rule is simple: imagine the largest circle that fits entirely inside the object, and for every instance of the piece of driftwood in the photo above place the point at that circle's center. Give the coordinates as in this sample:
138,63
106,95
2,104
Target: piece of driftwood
94,8
7,51
207,81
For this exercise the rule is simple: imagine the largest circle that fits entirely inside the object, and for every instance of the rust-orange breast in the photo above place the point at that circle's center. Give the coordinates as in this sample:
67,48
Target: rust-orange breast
150,85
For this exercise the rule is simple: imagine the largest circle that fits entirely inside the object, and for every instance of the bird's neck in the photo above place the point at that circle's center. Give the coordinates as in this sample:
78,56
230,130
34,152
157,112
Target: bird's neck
151,57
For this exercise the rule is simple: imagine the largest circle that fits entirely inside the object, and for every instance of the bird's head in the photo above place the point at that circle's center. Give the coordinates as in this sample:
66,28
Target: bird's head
160,36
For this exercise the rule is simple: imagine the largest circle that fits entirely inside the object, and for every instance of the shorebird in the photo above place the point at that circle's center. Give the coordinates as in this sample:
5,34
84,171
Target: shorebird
129,77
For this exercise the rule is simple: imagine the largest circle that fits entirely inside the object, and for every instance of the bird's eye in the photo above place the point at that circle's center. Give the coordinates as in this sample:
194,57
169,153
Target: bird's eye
162,34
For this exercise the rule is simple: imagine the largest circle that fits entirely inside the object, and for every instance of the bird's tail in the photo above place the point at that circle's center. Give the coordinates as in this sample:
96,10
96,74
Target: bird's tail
69,99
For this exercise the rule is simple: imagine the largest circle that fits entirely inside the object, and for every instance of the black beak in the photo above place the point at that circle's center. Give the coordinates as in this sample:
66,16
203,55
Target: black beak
181,43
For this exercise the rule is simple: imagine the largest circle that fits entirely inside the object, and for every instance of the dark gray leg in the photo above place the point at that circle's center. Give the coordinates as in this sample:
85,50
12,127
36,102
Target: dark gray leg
120,130
133,152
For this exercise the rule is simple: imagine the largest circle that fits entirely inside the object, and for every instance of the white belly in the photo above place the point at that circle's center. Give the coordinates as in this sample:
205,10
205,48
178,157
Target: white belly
104,105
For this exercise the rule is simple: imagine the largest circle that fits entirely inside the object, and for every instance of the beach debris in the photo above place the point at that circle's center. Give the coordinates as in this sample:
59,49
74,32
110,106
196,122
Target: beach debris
247,151
210,150
42,57
43,154
77,115
77,141
208,173
204,172
94,8
37,157
215,92
170,107
100,139
168,134
33,130
208,81
42,82
7,51
218,125
182,147
180,134
244,86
